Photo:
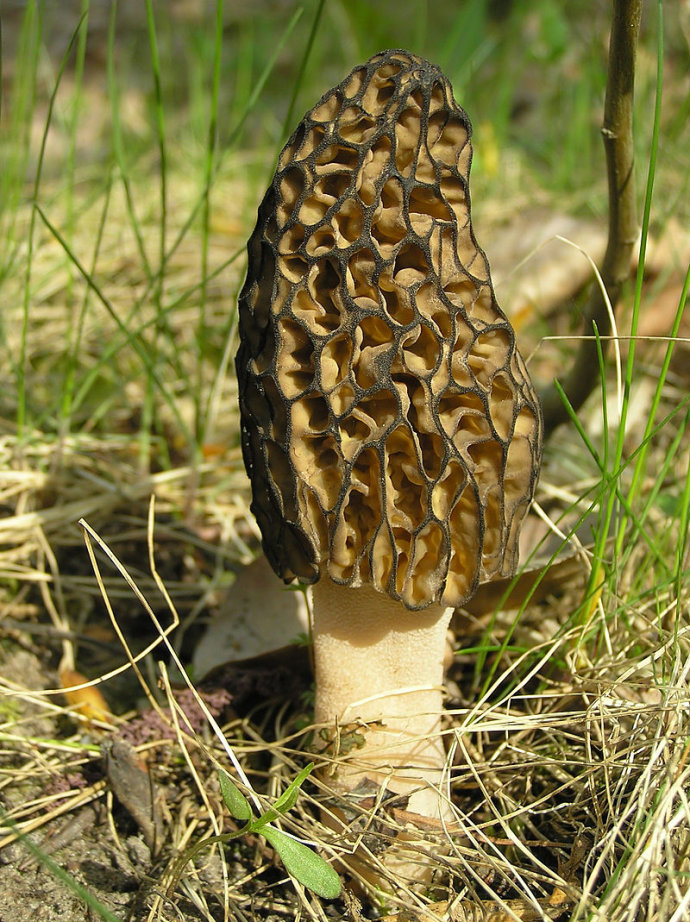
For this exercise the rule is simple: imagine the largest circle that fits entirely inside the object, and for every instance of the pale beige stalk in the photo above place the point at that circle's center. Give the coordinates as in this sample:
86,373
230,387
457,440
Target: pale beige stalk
380,667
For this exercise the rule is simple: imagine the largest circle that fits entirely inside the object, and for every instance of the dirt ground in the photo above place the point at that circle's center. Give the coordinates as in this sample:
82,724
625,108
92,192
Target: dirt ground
559,781
114,829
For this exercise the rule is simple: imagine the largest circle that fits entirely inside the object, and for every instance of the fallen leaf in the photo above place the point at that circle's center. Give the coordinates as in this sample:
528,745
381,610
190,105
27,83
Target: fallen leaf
259,616
535,584
533,271
132,785
88,702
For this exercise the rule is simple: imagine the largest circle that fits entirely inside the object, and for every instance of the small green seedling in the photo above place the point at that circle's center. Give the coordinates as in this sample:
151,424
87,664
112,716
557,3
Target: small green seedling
300,862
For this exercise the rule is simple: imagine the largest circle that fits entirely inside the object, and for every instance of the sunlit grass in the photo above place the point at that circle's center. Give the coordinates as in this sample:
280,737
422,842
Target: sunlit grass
128,190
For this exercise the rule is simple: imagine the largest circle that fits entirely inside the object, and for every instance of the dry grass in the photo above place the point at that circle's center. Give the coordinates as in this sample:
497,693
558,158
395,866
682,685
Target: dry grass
569,772
568,751
571,799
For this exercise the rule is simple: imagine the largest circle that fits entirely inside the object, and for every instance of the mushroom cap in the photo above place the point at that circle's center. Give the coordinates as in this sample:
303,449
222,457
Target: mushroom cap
389,427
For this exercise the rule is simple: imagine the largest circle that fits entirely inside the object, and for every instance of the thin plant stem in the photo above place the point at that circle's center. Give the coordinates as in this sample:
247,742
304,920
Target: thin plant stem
682,547
118,144
149,401
76,329
23,356
302,68
611,505
76,104
641,461
617,132
211,145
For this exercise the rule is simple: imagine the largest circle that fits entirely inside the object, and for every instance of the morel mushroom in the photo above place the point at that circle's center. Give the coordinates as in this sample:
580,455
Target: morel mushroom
389,426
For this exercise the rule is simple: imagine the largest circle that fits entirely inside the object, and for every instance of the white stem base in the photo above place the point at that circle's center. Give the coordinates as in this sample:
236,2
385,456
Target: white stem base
379,674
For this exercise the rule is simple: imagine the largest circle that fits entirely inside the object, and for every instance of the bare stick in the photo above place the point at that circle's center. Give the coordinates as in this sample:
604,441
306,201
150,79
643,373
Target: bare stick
618,143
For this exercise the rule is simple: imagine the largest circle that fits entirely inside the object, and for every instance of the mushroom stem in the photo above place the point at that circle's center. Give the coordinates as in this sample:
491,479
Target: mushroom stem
381,665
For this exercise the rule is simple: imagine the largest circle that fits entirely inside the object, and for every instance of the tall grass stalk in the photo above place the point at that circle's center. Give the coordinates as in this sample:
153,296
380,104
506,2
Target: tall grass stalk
209,165
149,421
313,32
639,279
17,117
611,504
22,404
74,113
118,145
75,329
680,561
217,386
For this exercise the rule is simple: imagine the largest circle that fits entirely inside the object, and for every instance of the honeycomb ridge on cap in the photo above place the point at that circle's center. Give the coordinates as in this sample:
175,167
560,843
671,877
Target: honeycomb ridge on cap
389,427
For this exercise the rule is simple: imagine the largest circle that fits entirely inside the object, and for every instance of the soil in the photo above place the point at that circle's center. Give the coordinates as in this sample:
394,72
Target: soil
119,845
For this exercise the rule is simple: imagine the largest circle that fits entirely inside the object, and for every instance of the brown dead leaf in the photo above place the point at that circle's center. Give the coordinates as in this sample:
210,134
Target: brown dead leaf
537,584
258,617
88,702
132,785
658,317
533,271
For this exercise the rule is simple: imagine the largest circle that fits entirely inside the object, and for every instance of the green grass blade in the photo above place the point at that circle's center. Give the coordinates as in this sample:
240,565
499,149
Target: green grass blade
59,873
302,69
235,801
118,143
235,133
639,279
74,333
681,549
22,404
148,410
17,119
200,415
130,336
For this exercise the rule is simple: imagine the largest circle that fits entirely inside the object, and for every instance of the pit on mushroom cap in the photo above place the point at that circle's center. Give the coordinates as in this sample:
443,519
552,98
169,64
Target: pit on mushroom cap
389,426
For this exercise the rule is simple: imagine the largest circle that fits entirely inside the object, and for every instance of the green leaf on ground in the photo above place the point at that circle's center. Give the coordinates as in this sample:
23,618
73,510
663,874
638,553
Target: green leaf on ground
235,801
303,864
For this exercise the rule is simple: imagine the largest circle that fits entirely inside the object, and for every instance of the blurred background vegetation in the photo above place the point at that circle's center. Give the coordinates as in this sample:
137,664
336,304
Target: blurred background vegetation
136,141
531,73
175,112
